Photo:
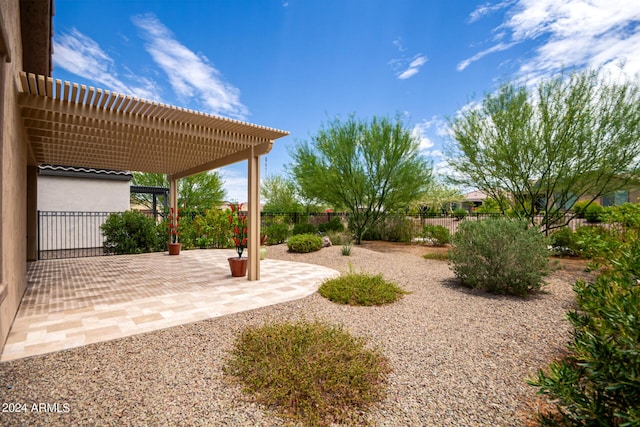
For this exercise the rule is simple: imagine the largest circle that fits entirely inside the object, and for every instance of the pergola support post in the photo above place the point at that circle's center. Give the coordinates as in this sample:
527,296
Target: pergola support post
254,216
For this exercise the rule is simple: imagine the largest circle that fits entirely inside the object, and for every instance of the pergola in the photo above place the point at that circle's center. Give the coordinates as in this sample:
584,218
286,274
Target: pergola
71,124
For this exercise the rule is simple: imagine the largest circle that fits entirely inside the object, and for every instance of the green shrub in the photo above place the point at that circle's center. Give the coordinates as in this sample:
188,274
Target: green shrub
563,242
316,373
339,237
392,228
335,224
303,243
440,256
580,207
346,248
501,255
360,289
212,229
130,232
596,243
459,213
304,228
593,212
277,232
598,383
437,234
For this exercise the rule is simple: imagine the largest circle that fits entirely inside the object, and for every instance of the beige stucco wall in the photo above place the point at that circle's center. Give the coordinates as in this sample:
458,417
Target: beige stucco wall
56,193
13,182
74,194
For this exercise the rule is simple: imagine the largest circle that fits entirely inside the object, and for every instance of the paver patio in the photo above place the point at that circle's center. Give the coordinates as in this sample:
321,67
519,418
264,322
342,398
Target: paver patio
73,302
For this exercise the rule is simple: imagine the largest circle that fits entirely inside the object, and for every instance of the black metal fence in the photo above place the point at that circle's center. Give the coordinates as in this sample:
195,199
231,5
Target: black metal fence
70,234
78,234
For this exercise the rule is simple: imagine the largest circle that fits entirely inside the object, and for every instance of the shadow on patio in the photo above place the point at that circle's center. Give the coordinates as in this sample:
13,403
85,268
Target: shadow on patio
73,302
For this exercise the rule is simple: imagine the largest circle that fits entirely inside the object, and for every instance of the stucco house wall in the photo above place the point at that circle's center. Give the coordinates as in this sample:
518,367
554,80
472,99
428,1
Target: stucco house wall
13,172
66,197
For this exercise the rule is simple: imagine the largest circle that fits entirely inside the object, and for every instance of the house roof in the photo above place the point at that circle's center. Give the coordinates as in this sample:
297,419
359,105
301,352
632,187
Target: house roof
475,196
71,124
80,172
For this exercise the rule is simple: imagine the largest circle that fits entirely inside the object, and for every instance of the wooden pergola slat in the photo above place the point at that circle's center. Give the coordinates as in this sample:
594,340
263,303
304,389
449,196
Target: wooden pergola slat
72,125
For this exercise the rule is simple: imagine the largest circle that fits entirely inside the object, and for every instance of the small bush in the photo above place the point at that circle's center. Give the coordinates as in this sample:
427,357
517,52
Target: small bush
500,255
130,232
436,234
303,243
459,213
277,232
393,228
360,289
304,228
563,242
346,249
580,207
594,212
338,237
316,373
335,224
598,383
439,256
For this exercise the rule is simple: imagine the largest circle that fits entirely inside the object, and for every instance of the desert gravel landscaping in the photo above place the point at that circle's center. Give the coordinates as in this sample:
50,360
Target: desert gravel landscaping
459,357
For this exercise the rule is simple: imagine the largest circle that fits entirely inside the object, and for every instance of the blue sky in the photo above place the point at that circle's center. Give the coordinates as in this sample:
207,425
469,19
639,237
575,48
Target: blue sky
294,64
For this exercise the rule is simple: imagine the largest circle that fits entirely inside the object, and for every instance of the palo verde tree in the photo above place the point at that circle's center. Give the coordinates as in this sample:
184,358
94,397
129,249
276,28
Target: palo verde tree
198,192
574,136
366,167
280,195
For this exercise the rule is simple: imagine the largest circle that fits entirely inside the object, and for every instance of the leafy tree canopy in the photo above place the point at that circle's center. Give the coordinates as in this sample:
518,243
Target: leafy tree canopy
198,192
367,167
574,136
279,194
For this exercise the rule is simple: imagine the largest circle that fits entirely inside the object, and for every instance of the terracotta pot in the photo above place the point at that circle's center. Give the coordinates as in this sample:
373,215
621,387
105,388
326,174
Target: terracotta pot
174,248
238,266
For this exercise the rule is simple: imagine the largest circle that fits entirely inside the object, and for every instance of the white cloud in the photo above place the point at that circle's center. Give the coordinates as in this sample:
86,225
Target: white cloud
487,9
190,75
235,182
81,55
413,68
571,33
405,67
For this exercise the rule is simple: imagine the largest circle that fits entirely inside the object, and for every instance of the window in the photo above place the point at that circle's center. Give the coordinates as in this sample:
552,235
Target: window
617,198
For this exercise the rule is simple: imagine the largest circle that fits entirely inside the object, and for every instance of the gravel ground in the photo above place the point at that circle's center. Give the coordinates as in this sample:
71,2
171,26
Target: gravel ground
459,357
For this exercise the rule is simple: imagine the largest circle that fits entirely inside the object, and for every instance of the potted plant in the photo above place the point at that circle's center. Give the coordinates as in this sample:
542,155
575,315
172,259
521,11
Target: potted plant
238,224
263,247
174,231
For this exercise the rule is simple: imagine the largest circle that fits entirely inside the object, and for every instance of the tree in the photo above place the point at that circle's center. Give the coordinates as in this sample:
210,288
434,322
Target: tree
199,192
280,195
366,167
573,137
437,198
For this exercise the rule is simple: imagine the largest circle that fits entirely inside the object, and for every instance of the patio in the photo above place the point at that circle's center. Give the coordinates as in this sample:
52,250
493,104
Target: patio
74,302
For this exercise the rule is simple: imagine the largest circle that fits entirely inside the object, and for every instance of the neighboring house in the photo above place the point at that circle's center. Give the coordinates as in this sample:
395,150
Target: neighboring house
78,189
473,200
72,202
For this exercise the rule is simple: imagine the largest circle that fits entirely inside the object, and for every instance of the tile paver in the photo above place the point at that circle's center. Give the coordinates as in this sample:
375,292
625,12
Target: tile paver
74,302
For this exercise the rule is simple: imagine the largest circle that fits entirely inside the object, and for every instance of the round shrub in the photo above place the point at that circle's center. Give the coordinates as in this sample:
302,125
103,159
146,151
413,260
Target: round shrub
437,234
594,212
277,233
580,207
316,373
563,241
335,224
501,255
360,289
303,243
460,213
304,228
129,232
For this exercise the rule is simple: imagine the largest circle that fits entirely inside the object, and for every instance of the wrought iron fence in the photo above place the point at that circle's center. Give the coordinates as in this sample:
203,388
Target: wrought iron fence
70,234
